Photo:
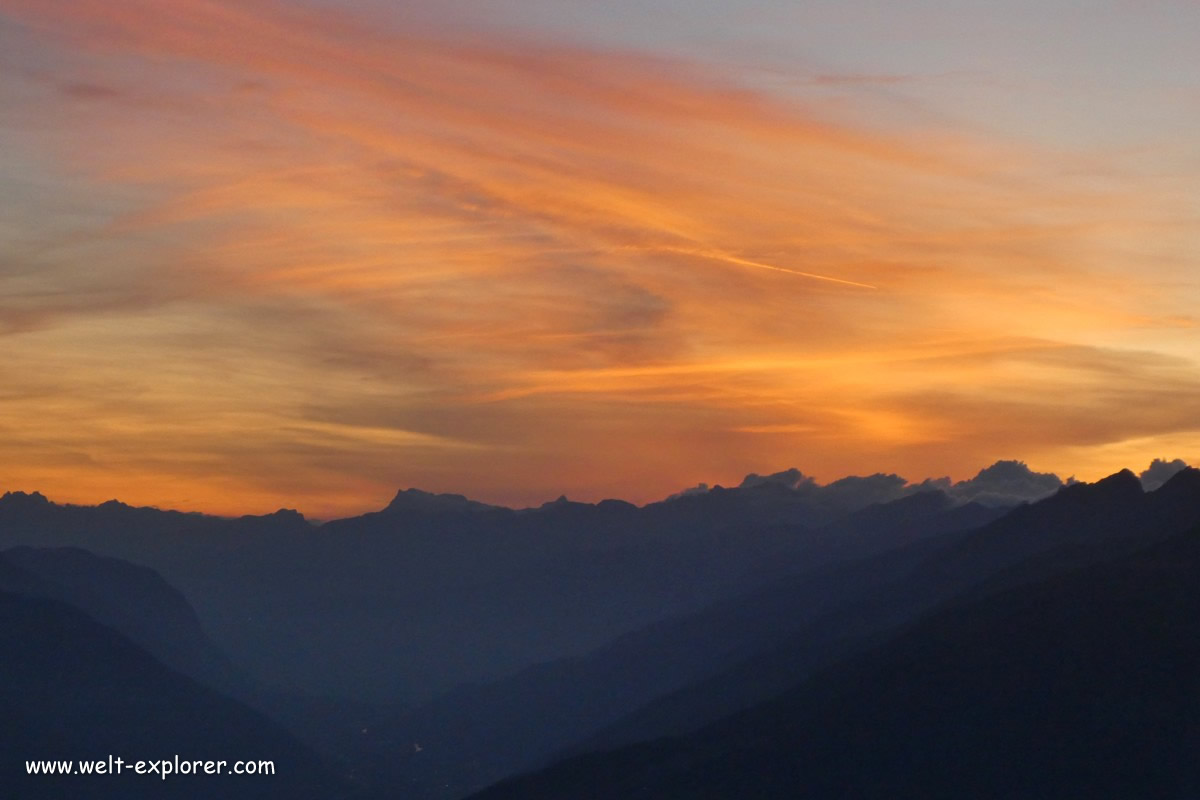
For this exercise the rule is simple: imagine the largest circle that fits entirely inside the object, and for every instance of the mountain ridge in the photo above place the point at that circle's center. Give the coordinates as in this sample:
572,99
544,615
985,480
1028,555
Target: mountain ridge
1082,684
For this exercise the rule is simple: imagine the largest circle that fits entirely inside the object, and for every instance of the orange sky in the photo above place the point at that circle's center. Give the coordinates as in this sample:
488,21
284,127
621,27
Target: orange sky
260,256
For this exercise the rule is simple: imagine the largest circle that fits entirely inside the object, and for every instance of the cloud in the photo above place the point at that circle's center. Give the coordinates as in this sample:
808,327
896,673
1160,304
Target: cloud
792,479
700,488
1068,395
83,90
254,217
1160,471
857,79
855,492
1004,483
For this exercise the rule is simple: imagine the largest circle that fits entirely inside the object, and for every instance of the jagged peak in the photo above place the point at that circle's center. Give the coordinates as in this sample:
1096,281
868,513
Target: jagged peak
1186,480
419,500
24,498
551,505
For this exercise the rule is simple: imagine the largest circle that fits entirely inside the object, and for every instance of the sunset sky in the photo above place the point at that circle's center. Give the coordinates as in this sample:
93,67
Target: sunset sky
303,254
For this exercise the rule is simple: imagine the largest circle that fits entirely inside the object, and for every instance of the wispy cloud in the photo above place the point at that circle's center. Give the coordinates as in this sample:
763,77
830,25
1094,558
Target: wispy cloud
267,248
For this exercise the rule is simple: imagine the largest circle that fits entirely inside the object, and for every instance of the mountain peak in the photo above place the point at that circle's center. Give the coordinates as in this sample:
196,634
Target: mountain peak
1119,486
1123,480
1184,484
23,500
560,502
411,500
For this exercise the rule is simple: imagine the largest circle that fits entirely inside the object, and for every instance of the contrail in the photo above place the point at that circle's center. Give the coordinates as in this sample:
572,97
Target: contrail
719,256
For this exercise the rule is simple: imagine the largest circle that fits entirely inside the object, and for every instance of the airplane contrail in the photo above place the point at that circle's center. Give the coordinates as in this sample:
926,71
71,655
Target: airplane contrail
729,259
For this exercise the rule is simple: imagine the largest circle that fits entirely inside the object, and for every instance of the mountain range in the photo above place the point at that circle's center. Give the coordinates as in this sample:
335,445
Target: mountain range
441,644
1080,683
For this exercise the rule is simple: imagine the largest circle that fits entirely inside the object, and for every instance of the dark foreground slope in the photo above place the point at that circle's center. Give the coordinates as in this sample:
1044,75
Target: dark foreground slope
1081,525
1084,685
133,600
676,676
73,689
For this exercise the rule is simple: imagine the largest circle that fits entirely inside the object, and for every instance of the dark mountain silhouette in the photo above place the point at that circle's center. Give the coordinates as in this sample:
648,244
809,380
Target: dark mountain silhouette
1160,471
1080,525
577,626
71,688
131,599
691,670
1086,684
336,610
138,604
415,500
477,734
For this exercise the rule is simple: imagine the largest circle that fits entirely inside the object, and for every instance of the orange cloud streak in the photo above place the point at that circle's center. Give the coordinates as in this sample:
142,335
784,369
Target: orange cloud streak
386,258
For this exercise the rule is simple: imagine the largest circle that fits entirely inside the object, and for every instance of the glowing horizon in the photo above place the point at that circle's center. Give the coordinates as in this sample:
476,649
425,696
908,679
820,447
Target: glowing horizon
263,254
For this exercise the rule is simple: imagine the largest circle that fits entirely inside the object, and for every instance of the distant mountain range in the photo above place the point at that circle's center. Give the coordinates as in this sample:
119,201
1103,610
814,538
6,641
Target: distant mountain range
440,645
460,591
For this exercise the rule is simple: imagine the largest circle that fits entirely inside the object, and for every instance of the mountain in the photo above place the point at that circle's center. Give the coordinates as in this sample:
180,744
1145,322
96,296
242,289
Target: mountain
476,734
139,605
417,501
870,572
71,688
338,609
1080,525
1086,684
567,627
131,599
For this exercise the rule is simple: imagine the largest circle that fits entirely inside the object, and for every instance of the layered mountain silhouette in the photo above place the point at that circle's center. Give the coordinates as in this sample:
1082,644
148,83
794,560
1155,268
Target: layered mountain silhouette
679,674
1080,525
476,734
441,644
437,590
72,688
133,600
1084,684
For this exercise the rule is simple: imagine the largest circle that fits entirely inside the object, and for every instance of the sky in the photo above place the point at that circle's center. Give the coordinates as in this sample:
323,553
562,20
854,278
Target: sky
261,254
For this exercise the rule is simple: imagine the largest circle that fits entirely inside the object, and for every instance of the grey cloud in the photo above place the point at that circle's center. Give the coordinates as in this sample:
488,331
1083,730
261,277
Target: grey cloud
858,492
35,304
1005,483
789,479
610,301
1160,471
700,488
857,79
84,90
